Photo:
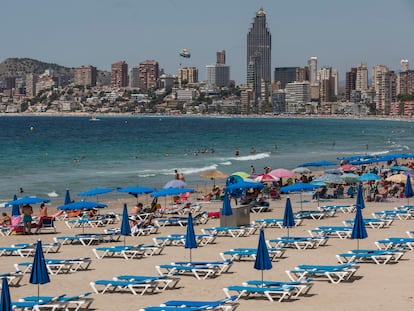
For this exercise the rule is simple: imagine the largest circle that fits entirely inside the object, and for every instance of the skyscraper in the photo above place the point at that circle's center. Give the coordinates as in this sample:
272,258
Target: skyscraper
119,74
313,70
259,45
221,57
148,74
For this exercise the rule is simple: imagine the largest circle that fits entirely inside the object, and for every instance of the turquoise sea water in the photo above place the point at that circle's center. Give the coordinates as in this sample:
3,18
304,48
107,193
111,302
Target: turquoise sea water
52,154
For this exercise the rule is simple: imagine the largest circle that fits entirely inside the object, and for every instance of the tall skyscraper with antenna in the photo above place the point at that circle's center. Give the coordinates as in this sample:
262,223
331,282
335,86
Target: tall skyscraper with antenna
259,46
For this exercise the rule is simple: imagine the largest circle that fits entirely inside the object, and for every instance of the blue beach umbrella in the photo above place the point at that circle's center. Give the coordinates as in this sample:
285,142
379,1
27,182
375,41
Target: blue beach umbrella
369,177
39,274
125,227
5,300
190,240
81,205
15,207
262,261
226,208
288,218
67,197
359,231
136,190
408,190
299,188
27,200
360,198
95,192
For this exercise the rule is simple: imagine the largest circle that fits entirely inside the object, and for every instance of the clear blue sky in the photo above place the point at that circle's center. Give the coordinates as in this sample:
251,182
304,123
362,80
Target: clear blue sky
100,32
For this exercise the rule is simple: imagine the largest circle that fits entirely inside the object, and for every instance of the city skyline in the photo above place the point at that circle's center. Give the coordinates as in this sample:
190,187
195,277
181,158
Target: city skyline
100,33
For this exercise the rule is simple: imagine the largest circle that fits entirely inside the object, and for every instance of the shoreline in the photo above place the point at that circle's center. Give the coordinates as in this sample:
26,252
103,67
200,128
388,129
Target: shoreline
267,116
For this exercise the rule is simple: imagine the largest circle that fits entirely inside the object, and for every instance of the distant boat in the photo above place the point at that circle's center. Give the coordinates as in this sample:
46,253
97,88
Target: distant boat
93,118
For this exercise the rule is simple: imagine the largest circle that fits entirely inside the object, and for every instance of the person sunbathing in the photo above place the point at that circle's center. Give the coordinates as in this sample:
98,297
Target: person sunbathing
5,220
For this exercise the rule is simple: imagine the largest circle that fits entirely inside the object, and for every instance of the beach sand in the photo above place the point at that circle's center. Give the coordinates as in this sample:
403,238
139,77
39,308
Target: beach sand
375,287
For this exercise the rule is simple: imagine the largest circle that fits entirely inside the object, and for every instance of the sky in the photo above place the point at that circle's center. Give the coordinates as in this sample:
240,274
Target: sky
341,34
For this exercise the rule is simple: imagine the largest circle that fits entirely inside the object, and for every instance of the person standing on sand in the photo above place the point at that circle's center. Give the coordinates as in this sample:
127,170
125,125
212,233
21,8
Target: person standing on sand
27,211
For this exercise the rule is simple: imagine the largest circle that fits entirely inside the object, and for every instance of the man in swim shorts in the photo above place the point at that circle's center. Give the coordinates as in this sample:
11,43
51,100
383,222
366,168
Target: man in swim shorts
27,212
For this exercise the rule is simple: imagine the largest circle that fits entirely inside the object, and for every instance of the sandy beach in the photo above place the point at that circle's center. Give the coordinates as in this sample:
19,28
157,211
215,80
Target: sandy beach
377,287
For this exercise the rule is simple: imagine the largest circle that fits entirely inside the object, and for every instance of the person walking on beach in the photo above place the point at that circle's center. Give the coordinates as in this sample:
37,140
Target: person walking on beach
27,211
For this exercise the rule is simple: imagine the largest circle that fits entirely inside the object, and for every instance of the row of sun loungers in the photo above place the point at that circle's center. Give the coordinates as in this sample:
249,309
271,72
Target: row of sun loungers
298,242
179,239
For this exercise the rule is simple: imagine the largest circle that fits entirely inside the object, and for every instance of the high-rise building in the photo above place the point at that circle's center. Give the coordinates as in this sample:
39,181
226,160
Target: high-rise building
313,70
119,74
187,75
148,74
286,75
221,57
218,75
134,77
361,83
31,80
259,45
350,83
406,85
385,92
85,75
404,65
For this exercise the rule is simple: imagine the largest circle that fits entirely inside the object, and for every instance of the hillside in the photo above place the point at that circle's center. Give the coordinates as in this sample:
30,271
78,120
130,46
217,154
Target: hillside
21,66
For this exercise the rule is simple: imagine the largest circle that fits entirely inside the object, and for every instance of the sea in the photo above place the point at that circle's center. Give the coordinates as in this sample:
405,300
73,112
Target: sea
46,155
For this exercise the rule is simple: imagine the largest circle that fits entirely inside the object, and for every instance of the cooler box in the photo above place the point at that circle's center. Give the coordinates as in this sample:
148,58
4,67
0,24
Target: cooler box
240,217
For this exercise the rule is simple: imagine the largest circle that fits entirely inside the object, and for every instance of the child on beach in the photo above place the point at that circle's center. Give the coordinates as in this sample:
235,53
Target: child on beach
27,211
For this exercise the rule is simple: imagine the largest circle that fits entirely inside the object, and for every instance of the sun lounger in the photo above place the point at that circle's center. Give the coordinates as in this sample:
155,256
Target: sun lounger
221,266
201,272
226,304
163,282
280,293
13,278
393,214
238,254
62,302
135,287
234,232
47,247
57,266
302,287
376,256
315,215
45,303
395,242
374,223
299,242
341,232
17,251
127,252
164,308
334,273
273,222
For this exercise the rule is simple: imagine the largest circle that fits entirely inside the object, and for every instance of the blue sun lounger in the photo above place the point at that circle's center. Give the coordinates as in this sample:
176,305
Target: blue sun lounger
145,286
201,272
164,282
334,273
65,302
159,308
280,293
302,287
226,304
395,242
222,266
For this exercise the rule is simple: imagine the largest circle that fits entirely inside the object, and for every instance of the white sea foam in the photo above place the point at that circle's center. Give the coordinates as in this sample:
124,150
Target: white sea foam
251,157
226,163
